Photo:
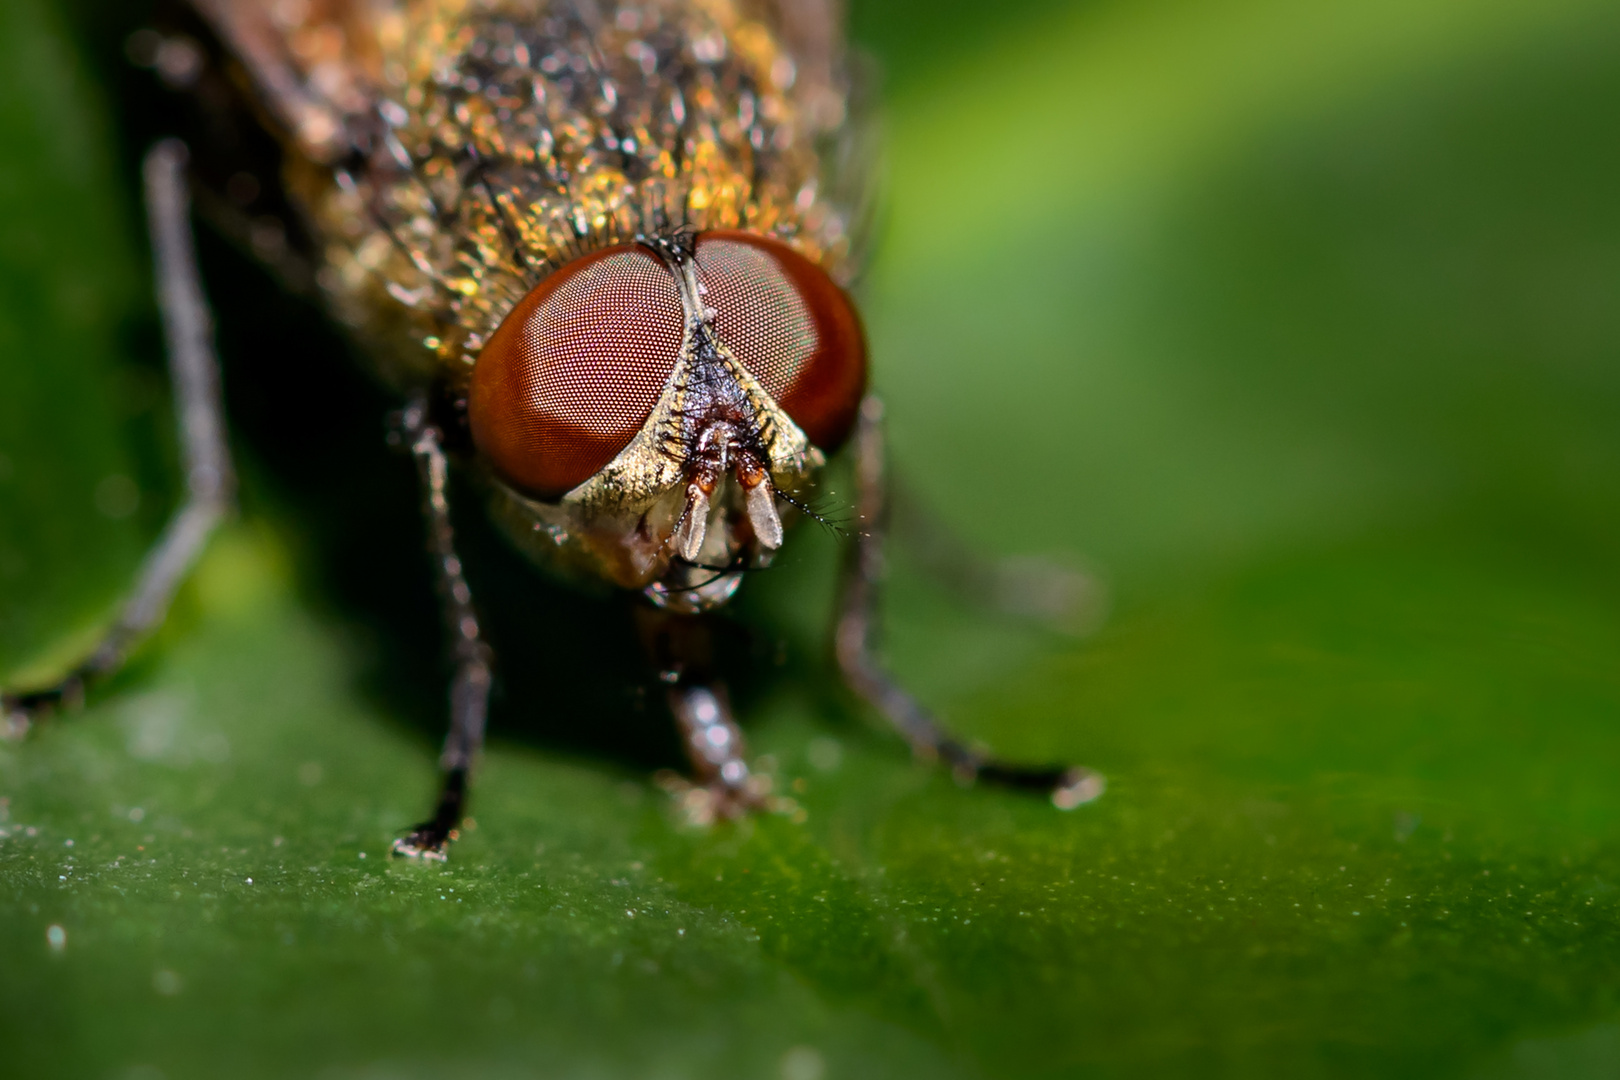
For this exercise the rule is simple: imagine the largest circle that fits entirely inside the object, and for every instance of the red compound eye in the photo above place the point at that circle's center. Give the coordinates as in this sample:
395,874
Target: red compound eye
575,370
790,326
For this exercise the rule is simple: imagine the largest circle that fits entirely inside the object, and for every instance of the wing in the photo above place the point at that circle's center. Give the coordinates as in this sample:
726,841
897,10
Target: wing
315,65
837,88
813,32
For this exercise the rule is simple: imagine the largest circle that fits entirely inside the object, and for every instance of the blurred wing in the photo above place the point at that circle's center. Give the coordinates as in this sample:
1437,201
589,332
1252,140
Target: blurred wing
837,88
813,33
315,64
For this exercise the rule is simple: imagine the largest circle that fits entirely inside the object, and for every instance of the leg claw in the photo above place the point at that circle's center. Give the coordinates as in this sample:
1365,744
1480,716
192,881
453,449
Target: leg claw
14,720
1078,786
701,805
425,842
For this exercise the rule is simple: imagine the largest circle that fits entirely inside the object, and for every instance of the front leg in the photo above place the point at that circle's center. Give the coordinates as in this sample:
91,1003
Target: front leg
469,687
1069,786
680,647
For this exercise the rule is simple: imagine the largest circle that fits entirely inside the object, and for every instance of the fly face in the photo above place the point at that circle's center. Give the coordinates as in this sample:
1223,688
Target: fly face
600,247
647,406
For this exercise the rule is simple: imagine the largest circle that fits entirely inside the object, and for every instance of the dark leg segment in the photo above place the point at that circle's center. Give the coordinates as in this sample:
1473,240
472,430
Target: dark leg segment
200,417
469,687
1069,786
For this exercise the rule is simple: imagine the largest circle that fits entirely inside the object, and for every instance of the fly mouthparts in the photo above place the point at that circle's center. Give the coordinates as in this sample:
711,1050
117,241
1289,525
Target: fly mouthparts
762,514
694,523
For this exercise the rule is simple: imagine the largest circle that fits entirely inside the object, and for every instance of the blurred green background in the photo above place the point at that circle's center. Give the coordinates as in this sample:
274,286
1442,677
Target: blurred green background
1299,322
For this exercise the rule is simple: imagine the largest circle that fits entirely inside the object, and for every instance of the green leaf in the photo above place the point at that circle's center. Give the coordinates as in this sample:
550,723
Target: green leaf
1298,322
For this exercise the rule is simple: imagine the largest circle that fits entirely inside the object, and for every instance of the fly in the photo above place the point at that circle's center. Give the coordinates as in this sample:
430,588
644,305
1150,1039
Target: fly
600,252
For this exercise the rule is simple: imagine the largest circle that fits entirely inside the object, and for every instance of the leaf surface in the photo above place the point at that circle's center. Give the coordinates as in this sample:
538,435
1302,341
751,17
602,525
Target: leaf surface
1298,324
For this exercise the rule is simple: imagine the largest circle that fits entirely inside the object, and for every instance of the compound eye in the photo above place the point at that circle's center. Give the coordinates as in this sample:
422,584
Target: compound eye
793,329
575,370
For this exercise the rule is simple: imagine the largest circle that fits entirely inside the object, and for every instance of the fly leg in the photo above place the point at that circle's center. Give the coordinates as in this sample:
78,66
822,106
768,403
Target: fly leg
680,647
1069,786
469,687
1060,596
210,480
